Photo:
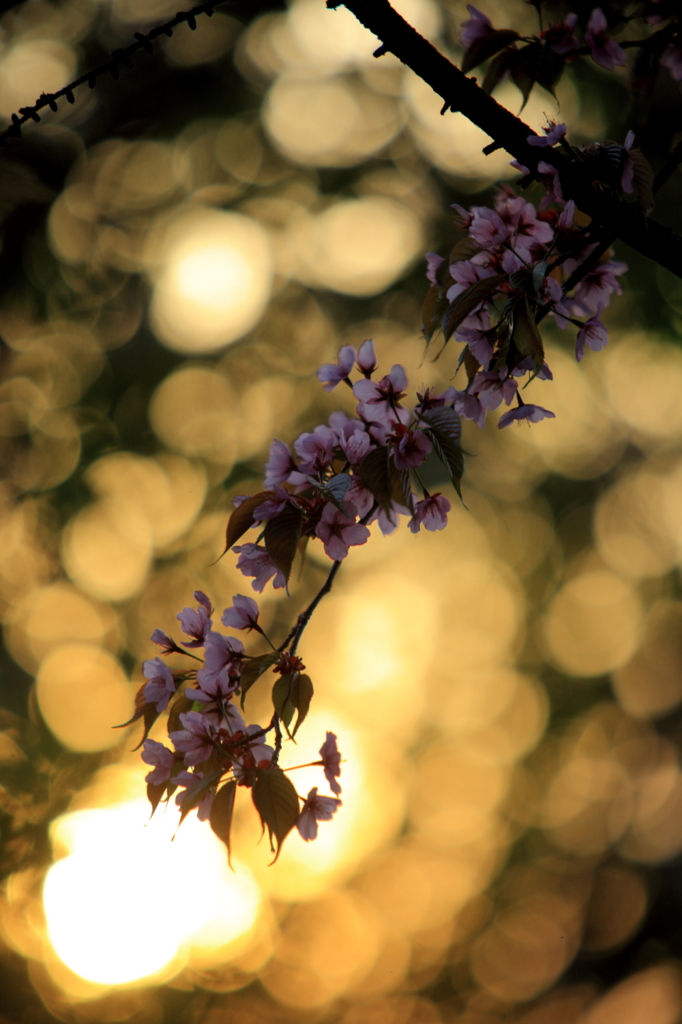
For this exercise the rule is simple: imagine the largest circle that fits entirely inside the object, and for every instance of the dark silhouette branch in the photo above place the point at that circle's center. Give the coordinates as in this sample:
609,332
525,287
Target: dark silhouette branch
614,216
117,59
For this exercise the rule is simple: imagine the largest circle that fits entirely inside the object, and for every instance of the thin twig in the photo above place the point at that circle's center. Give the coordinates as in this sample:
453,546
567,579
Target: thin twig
117,58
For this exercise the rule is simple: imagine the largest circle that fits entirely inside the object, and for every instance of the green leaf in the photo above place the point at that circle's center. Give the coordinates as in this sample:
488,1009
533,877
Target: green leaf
444,431
469,301
221,814
242,519
487,46
281,536
277,804
525,333
253,669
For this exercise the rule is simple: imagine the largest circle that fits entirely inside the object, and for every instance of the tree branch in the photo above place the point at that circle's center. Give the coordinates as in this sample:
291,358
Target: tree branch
625,220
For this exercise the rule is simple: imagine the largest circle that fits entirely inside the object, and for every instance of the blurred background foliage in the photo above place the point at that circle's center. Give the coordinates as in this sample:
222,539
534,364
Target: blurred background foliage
181,249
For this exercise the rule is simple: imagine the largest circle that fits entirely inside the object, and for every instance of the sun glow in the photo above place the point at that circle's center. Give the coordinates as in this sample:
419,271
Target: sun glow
111,914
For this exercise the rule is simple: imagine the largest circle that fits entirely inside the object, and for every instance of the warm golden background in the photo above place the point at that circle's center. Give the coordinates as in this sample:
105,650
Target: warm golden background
182,248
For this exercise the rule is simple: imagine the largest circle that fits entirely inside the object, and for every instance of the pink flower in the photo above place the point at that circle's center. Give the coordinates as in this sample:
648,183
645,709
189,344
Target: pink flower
331,762
493,387
242,615
356,445
521,223
432,512
315,451
189,780
593,334
338,531
255,561
161,757
332,374
412,448
433,262
272,506
594,292
196,623
477,343
367,360
161,685
559,36
219,677
605,51
279,465
476,26
316,808
525,412
465,273
553,133
671,58
164,641
380,400
470,408
195,740
552,184
487,228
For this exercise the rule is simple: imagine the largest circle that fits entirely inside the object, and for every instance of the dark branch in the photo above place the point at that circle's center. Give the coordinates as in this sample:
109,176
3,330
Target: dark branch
624,220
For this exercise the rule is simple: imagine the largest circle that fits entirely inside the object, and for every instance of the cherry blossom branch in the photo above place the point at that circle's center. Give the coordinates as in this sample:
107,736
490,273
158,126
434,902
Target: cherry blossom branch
305,616
625,220
117,59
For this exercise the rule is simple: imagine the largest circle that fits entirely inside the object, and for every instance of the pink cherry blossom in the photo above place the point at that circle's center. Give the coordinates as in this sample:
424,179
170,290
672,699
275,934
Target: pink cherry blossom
671,58
493,387
161,685
196,622
242,615
367,360
356,445
552,184
219,677
165,642
189,780
411,449
477,343
488,230
161,758
605,51
316,808
195,740
593,334
331,762
559,36
476,26
554,132
432,512
470,408
314,450
380,400
271,507
332,374
465,273
338,531
596,288
525,412
255,561
433,262
279,465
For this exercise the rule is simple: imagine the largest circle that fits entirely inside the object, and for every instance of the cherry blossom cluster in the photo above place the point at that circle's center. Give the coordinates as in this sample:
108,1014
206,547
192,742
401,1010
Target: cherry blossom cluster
342,476
213,751
514,267
558,44
338,478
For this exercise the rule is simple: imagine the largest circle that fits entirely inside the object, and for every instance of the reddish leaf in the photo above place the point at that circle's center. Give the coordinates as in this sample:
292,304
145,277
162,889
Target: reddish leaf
179,706
253,670
277,804
444,431
524,69
468,302
525,333
241,519
292,693
434,306
463,250
550,66
281,537
487,46
497,69
155,793
643,177
220,817
375,476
